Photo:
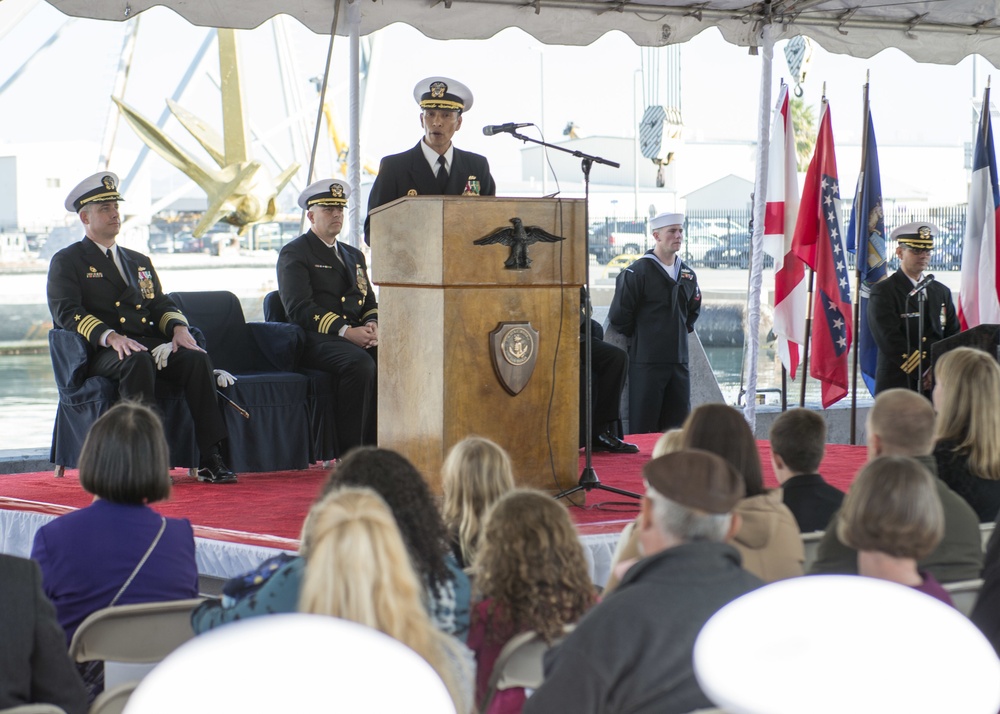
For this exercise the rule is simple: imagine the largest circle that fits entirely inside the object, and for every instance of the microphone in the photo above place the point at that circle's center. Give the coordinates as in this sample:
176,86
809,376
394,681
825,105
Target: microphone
503,128
919,287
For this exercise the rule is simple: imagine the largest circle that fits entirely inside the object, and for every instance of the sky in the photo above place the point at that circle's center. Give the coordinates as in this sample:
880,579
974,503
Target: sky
63,93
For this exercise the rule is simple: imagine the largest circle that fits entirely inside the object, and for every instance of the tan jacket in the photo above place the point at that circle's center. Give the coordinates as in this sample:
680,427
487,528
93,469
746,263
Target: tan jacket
769,538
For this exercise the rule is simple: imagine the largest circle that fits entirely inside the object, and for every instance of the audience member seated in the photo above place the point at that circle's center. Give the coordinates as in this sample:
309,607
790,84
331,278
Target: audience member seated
633,651
986,612
34,665
966,395
275,586
627,549
798,441
118,550
532,575
893,517
358,569
768,538
475,474
901,423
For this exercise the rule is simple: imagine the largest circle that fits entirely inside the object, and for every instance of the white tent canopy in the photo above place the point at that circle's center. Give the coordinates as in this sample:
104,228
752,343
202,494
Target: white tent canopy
942,31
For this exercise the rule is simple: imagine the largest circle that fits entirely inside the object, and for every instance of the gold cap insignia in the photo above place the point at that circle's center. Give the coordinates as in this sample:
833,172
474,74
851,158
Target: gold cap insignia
412,192
109,182
336,190
438,89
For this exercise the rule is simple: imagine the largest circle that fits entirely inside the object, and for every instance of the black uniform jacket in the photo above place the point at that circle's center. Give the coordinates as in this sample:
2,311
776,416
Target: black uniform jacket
87,294
656,311
319,293
888,308
409,174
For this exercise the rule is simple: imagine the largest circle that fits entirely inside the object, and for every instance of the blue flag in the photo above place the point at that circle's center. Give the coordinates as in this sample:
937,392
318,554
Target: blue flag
867,242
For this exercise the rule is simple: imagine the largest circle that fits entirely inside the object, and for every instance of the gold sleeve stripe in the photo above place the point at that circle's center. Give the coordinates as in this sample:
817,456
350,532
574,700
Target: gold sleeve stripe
910,363
371,313
86,326
167,317
327,322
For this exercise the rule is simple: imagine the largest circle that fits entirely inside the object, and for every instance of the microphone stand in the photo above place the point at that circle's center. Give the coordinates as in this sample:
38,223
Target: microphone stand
588,478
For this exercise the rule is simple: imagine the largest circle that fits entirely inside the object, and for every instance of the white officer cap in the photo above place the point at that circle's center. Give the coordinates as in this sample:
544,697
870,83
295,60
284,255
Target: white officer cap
916,235
327,192
98,188
442,93
666,219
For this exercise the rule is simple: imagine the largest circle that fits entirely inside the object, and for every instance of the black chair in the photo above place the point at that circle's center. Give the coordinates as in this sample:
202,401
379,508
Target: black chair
263,357
322,393
83,399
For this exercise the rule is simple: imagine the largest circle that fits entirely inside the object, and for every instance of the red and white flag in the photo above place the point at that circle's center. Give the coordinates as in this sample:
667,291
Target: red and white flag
819,242
979,296
791,294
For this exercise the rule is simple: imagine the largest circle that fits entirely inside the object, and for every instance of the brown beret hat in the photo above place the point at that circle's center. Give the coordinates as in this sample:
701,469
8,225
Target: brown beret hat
696,479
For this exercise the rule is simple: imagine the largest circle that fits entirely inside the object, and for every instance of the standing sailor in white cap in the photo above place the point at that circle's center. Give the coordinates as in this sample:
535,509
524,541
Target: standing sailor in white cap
656,303
325,290
112,297
893,312
434,166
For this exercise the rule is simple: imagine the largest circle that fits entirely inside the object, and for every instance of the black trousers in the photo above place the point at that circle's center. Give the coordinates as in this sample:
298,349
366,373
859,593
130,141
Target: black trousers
659,397
355,374
137,375
609,369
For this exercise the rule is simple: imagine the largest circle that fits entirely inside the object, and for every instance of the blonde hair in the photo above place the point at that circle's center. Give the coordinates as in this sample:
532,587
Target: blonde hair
969,381
670,441
892,507
358,569
475,475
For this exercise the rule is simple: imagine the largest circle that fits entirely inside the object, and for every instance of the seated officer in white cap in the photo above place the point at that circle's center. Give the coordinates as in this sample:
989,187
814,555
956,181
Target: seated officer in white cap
656,303
632,652
434,166
893,313
325,290
112,297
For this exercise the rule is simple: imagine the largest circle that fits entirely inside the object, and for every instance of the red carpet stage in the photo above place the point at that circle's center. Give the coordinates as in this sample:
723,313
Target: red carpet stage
265,511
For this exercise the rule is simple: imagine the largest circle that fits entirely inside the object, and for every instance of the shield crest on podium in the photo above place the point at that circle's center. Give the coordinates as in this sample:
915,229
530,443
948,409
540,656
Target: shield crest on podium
514,350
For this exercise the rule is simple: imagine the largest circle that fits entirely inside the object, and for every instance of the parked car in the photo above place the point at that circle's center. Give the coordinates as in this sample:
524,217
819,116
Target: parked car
610,238
696,246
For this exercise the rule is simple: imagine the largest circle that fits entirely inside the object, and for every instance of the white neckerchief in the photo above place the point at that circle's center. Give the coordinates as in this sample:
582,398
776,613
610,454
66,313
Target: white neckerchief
672,270
432,157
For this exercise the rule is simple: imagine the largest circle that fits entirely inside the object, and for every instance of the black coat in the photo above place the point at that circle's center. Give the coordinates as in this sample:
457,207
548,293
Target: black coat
319,293
409,174
887,307
34,664
656,311
87,294
811,500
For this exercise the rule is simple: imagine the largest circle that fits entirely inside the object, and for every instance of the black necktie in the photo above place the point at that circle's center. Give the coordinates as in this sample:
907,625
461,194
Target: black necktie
442,174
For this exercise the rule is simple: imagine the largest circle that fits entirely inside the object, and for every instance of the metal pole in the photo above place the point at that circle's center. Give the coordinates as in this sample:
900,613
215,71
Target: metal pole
860,224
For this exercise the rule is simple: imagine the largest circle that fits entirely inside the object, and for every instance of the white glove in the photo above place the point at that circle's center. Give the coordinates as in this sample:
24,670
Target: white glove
161,353
223,378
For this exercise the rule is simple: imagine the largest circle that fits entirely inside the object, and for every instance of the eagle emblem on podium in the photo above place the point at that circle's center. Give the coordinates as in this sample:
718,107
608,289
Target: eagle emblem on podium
518,238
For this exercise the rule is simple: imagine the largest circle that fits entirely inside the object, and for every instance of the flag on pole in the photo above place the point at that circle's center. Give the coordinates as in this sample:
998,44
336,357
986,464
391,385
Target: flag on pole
866,239
819,242
791,294
979,295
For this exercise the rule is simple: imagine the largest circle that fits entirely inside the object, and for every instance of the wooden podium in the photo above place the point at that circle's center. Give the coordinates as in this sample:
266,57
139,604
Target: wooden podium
440,298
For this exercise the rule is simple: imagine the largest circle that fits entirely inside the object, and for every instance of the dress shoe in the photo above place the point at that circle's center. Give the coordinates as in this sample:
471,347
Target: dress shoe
216,471
612,444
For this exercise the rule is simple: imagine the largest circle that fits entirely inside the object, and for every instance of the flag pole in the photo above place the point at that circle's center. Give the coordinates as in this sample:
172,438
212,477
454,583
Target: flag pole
809,302
860,224
805,347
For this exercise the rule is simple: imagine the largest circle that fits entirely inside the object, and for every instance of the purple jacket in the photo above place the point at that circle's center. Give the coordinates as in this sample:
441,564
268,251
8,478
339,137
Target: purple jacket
87,555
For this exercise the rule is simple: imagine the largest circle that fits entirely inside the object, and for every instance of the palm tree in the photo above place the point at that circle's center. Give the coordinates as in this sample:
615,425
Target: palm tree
804,124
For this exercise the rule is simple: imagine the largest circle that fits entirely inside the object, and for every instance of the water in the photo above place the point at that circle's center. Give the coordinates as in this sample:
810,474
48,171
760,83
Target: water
28,394
28,398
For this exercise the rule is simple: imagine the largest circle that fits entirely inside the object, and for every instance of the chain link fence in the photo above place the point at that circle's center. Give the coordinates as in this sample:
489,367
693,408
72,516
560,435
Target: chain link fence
721,239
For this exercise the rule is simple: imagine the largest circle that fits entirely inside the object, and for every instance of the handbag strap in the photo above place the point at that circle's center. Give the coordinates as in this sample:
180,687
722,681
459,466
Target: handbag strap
145,557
